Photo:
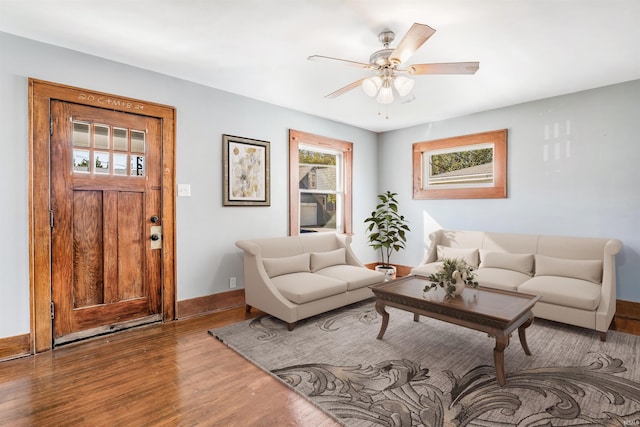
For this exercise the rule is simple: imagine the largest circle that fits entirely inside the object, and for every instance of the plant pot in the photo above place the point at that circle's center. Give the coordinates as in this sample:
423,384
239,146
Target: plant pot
388,270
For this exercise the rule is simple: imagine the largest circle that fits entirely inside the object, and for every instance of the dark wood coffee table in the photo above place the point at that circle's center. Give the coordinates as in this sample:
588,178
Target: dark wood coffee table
498,313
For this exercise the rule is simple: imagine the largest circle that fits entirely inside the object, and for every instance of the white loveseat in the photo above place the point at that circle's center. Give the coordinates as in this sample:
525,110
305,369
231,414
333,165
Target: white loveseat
575,276
296,277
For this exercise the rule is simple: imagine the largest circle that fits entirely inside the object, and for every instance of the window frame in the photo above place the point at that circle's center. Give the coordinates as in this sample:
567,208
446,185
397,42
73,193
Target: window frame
299,138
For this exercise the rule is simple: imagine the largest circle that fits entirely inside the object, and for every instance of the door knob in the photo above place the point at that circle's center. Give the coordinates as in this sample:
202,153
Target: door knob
155,219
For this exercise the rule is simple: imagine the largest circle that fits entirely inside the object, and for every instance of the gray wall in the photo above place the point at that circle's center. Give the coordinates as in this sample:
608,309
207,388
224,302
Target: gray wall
589,191
589,188
206,231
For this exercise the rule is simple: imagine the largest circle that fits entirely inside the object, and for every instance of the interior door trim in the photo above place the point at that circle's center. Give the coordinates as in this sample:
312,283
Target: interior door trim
41,93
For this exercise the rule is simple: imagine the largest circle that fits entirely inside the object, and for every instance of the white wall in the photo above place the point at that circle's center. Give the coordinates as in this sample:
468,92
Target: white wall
206,231
591,187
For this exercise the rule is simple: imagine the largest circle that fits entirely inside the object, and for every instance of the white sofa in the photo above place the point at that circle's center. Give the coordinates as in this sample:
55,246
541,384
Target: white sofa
575,276
296,277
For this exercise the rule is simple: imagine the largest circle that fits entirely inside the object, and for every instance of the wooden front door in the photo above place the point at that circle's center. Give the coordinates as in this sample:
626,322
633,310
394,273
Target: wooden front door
106,215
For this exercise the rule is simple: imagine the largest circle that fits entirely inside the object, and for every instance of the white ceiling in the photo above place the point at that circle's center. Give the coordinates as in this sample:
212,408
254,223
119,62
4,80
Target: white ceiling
527,49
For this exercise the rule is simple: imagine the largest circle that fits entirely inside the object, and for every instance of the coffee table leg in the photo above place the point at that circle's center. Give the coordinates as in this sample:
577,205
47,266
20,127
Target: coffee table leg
502,341
385,318
521,334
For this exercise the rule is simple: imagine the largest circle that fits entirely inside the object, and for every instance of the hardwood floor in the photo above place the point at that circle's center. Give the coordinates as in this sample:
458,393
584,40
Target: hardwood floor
172,374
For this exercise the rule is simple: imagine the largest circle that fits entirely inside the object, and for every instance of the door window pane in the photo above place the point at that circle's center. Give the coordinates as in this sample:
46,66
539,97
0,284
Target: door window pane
81,160
137,165
81,136
101,162
119,164
120,142
137,141
101,137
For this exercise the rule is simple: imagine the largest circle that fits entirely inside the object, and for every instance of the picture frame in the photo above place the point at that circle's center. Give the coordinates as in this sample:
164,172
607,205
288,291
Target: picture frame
461,167
246,171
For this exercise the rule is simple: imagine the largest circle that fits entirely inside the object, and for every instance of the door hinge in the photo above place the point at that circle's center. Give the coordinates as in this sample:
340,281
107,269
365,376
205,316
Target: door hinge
50,125
53,311
51,218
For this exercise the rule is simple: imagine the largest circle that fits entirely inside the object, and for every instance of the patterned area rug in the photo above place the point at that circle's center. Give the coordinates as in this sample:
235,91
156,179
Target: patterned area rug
430,373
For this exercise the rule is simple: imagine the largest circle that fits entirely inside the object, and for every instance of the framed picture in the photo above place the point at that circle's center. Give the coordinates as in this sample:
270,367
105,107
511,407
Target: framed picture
246,171
462,167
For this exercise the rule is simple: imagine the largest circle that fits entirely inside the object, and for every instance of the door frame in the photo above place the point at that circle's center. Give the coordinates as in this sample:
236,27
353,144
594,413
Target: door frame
41,93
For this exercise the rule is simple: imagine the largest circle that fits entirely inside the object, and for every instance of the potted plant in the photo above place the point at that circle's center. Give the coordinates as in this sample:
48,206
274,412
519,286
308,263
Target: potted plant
453,276
387,231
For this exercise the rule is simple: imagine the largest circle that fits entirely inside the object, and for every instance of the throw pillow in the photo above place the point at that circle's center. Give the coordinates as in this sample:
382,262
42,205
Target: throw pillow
522,263
590,270
320,260
469,255
285,265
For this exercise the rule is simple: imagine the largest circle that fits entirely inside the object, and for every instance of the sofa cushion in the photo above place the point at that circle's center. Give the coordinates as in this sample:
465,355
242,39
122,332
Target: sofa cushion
427,269
590,270
320,260
285,265
356,277
500,278
522,263
301,288
564,291
469,255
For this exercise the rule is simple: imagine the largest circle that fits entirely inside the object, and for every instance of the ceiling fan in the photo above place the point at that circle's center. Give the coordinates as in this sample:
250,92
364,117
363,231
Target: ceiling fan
390,69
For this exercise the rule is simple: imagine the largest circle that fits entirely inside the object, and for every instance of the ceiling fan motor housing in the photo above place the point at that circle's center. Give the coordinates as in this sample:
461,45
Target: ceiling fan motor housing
381,57
386,37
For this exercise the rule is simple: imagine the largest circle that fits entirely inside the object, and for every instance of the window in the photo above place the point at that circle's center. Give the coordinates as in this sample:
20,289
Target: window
96,152
471,166
319,184
461,167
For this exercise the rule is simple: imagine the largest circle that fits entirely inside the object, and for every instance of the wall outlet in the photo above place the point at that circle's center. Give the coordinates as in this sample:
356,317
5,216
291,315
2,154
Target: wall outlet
232,283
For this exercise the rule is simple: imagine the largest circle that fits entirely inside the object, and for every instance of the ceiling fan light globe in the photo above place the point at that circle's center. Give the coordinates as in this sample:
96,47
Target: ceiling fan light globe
403,85
385,96
372,85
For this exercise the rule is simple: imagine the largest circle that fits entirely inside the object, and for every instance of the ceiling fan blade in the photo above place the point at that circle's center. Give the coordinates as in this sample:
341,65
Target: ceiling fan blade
444,68
341,61
411,42
345,89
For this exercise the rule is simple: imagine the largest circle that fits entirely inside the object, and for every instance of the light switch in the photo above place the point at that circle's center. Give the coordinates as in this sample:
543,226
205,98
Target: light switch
184,190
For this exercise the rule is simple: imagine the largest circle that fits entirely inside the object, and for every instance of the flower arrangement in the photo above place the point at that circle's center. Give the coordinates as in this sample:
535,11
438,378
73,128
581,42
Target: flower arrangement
452,277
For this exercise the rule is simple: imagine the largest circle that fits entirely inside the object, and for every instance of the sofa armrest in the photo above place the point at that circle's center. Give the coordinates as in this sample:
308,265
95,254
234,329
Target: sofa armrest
248,247
430,253
607,308
612,247
259,290
345,242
